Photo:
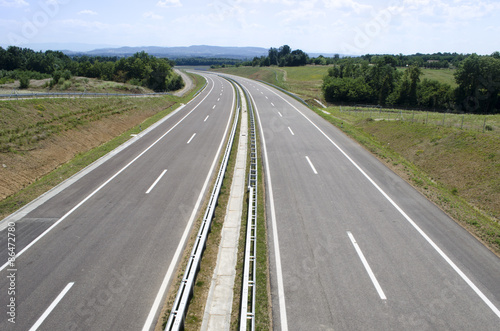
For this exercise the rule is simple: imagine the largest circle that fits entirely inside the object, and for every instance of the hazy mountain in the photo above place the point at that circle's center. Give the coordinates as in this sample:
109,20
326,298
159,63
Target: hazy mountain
169,52
191,51
65,47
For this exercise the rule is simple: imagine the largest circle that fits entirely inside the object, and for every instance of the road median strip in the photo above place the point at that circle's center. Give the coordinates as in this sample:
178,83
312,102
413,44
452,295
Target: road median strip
217,314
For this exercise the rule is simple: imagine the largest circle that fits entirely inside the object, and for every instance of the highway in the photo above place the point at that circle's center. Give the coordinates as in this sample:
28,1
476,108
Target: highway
355,247
100,253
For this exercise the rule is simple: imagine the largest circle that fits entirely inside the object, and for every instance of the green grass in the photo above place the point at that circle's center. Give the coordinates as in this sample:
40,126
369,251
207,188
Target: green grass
307,73
305,81
441,75
470,122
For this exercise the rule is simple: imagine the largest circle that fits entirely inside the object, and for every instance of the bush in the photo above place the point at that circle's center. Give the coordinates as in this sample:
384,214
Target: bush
66,85
174,83
24,82
55,77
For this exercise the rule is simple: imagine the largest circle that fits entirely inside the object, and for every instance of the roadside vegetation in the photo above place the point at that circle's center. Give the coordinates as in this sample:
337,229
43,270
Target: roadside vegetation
453,159
141,69
393,80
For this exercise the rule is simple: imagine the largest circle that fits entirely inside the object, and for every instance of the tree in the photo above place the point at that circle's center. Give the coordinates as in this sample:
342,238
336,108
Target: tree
382,78
284,51
433,94
273,56
478,80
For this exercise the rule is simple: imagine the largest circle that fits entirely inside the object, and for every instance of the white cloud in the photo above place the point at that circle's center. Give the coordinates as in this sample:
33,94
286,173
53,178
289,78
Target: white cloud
87,12
152,16
13,3
351,4
456,11
169,3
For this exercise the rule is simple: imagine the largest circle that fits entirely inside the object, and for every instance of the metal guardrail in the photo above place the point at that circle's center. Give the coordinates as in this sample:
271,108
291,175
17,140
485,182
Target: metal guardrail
179,309
74,95
247,312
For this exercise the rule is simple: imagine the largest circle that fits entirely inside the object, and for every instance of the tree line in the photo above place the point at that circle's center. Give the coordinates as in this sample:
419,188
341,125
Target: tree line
140,69
377,81
282,56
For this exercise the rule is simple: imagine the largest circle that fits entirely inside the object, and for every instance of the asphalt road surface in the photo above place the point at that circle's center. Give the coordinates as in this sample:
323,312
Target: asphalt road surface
118,231
355,247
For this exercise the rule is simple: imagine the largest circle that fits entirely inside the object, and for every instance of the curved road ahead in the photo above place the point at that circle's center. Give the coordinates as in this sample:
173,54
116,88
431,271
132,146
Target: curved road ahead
117,231
355,247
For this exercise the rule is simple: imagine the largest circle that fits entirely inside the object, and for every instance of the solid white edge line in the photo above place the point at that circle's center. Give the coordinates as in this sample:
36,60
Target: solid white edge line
156,181
279,272
191,138
103,185
51,307
367,267
419,230
312,165
166,280
293,134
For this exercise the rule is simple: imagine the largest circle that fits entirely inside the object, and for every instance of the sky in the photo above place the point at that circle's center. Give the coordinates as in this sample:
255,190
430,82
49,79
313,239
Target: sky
329,26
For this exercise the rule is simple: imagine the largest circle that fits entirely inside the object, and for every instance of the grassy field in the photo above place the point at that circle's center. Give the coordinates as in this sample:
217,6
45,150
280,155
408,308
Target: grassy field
453,159
304,81
441,75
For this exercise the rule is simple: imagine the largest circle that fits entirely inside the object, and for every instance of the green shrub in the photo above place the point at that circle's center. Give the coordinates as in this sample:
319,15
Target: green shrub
24,82
66,85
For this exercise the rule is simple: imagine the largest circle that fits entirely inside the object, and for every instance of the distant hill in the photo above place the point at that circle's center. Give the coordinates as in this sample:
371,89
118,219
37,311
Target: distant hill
202,51
67,48
180,52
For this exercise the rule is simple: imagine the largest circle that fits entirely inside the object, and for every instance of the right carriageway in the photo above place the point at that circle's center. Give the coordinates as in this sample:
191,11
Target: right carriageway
352,245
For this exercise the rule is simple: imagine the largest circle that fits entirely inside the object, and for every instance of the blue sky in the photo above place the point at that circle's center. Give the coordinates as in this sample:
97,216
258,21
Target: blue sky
329,26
